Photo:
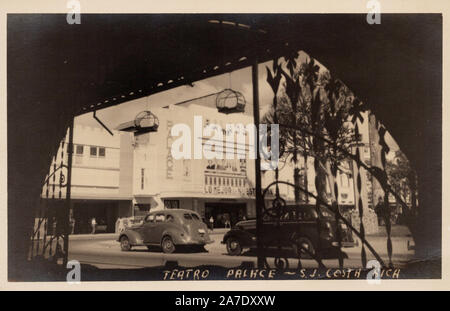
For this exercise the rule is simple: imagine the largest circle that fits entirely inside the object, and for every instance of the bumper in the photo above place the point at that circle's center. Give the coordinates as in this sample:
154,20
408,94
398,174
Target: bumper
345,244
194,241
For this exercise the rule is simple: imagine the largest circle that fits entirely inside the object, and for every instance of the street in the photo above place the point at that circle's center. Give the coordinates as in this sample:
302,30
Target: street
103,251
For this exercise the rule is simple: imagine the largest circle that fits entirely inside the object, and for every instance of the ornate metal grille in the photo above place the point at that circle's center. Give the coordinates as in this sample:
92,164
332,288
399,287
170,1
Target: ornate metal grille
49,236
278,208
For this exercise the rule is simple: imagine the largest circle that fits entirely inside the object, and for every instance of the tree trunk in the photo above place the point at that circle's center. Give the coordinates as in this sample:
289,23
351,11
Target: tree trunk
375,159
321,180
305,178
297,185
331,180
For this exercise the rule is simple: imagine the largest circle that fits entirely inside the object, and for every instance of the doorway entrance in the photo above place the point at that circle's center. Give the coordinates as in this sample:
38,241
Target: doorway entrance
225,214
104,212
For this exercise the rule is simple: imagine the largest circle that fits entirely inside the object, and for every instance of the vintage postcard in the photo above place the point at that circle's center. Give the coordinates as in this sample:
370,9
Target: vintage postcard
207,148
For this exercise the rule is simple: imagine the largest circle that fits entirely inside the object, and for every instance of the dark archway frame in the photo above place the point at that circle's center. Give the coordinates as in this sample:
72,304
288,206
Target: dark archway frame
57,71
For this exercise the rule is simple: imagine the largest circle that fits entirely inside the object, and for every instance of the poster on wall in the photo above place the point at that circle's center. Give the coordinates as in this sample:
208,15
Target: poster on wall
224,176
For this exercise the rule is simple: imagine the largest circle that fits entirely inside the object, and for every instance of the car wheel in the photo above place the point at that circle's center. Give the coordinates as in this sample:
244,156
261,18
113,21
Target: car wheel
167,245
125,244
301,244
234,247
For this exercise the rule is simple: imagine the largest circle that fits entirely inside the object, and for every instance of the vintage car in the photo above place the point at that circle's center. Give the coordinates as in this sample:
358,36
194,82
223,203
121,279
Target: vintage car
168,229
300,225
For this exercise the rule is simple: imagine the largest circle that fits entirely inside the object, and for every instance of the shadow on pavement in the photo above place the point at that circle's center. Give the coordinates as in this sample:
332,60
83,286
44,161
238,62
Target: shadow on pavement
179,249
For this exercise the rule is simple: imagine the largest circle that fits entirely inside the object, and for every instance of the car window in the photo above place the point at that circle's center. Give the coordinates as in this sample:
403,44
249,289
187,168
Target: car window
170,218
310,215
195,216
159,218
150,218
187,216
326,213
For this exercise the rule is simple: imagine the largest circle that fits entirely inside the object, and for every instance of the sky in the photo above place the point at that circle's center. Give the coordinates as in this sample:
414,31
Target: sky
239,80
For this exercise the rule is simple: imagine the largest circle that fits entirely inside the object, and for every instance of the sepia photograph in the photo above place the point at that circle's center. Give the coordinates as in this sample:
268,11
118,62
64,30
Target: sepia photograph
223,146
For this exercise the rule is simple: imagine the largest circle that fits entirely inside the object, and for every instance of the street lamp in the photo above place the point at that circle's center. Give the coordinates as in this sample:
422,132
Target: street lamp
230,101
144,122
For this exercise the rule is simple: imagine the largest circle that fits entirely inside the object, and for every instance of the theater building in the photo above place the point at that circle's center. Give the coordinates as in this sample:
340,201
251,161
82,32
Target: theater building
221,188
123,175
218,188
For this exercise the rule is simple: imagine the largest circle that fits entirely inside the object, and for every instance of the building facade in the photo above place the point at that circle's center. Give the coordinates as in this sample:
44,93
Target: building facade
101,183
219,188
123,175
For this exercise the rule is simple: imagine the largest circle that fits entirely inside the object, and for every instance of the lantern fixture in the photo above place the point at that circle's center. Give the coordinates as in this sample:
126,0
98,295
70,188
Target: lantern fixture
144,122
230,101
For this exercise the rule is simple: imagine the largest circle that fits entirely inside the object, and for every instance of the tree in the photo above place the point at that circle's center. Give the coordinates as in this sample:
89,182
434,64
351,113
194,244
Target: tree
320,104
402,179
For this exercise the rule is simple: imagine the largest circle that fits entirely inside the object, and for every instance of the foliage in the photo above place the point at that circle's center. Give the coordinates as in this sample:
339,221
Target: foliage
317,102
400,173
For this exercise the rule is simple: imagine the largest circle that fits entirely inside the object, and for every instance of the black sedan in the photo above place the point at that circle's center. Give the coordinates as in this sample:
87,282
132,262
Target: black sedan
300,228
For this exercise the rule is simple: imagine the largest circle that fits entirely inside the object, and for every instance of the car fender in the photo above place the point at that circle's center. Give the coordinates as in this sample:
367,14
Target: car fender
134,237
244,237
175,234
314,240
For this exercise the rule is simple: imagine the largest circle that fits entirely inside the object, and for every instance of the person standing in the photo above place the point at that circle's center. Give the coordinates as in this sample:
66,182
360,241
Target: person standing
72,225
211,223
380,210
93,225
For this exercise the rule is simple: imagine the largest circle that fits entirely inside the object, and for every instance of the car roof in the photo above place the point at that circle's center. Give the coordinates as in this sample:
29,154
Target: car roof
174,211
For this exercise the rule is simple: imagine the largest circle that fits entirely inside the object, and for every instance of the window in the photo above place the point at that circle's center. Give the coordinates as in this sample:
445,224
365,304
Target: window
159,218
187,216
310,215
344,181
325,212
142,178
79,150
101,151
195,216
172,204
93,151
150,218
169,218
141,209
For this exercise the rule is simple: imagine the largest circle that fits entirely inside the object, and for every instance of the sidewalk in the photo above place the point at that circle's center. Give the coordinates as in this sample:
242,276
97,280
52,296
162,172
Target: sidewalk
98,236
396,232
219,231
101,236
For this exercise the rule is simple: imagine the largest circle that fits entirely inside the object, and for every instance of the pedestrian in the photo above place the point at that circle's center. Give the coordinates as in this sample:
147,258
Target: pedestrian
93,225
54,226
211,223
72,225
380,210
